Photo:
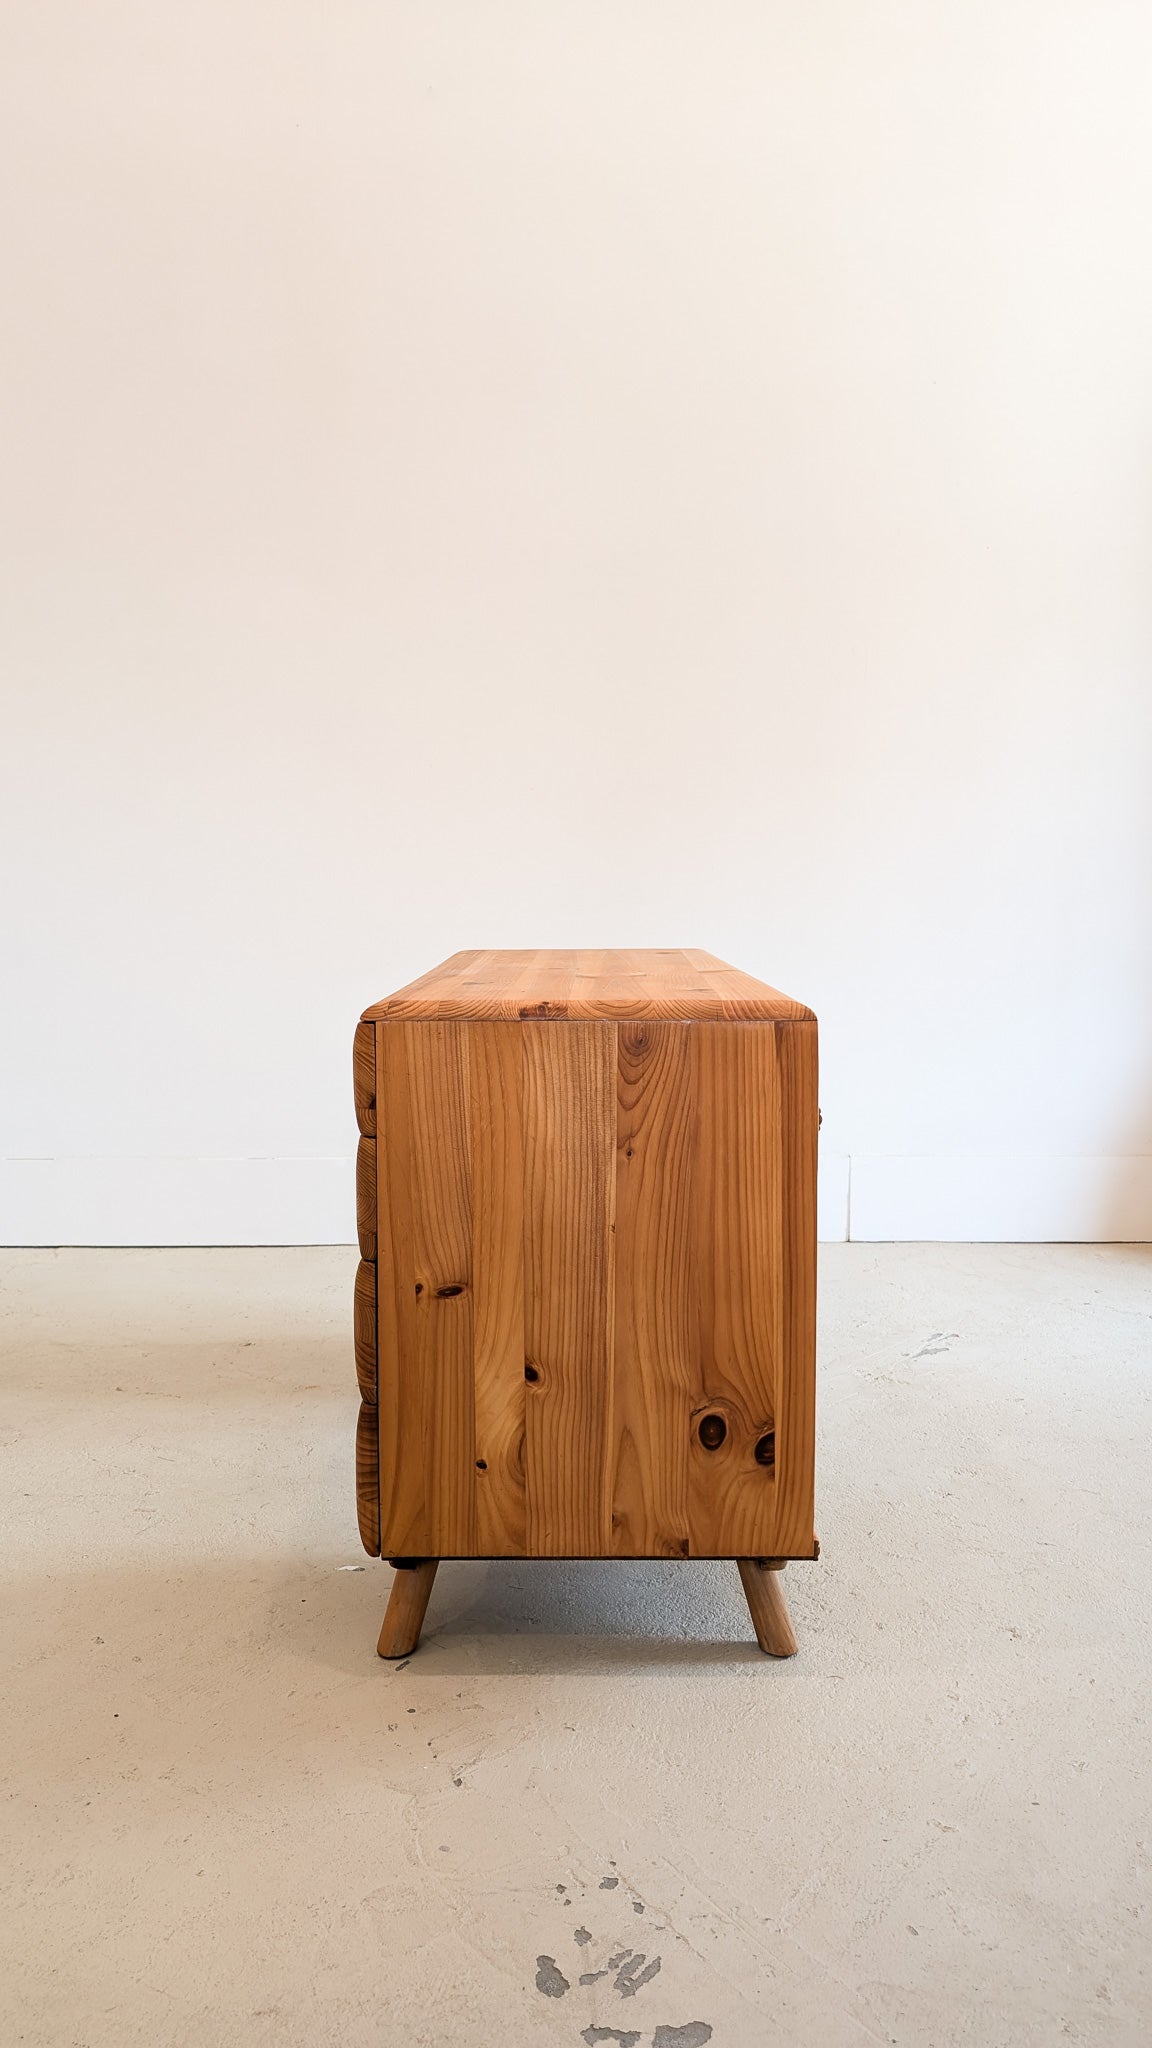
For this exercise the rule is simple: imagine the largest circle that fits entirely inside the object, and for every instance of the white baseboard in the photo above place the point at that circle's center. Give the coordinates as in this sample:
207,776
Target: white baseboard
178,1201
1021,1198
832,1188
873,1197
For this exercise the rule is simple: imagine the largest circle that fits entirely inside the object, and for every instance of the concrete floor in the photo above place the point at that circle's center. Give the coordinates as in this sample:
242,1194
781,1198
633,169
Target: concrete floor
225,1821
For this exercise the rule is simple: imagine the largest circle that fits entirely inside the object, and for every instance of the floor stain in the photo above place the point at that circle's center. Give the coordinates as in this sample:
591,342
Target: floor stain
551,1981
632,1976
937,1342
694,2035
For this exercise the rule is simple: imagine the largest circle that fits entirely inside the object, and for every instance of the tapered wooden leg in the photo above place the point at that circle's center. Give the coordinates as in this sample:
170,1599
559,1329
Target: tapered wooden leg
760,1578
407,1605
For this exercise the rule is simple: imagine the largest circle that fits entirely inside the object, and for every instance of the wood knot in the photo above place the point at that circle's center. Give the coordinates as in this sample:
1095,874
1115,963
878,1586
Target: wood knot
712,1431
765,1452
447,1293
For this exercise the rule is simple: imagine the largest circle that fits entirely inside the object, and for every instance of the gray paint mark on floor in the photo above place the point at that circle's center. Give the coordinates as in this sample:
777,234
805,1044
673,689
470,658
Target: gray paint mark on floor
637,1905
551,1981
594,2034
936,1343
609,1884
632,1976
615,1961
582,1936
694,2035
593,1976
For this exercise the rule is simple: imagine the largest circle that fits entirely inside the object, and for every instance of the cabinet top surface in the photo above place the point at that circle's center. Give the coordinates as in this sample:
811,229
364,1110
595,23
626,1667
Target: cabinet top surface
670,982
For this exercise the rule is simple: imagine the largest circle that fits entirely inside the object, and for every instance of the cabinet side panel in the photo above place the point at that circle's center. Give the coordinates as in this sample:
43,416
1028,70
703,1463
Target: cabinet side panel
404,1528
656,1340
796,1418
737,1266
496,1077
438,1081
569,1096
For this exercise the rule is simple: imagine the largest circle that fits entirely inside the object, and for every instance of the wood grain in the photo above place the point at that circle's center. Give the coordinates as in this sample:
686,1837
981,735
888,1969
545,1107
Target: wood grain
796,1419
438,1085
595,1241
364,1323
364,1078
400,1391
366,1197
368,1478
554,985
407,1606
364,1329
738,1283
569,1120
764,1592
496,1055
656,1335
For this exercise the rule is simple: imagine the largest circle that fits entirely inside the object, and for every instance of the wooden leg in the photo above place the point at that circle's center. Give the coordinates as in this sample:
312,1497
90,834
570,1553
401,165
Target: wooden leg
760,1578
406,1607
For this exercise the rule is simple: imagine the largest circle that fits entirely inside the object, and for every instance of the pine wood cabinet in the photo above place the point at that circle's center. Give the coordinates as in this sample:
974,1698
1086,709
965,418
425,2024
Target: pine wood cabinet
585,1309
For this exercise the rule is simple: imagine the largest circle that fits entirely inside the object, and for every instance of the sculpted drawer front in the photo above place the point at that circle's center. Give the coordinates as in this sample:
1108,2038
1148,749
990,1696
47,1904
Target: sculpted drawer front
364,1319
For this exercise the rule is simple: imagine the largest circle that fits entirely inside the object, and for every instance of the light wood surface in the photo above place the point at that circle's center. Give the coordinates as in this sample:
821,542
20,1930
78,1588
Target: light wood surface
655,1374
796,1430
366,1197
761,1580
425,1290
737,1286
364,1322
407,1606
568,1119
499,1385
673,982
364,1078
368,1478
364,1330
596,1252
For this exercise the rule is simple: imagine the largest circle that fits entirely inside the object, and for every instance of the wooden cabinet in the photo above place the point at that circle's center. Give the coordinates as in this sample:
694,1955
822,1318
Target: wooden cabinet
585,1311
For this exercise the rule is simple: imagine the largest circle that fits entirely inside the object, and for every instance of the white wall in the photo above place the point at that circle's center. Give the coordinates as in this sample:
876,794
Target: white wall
572,473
